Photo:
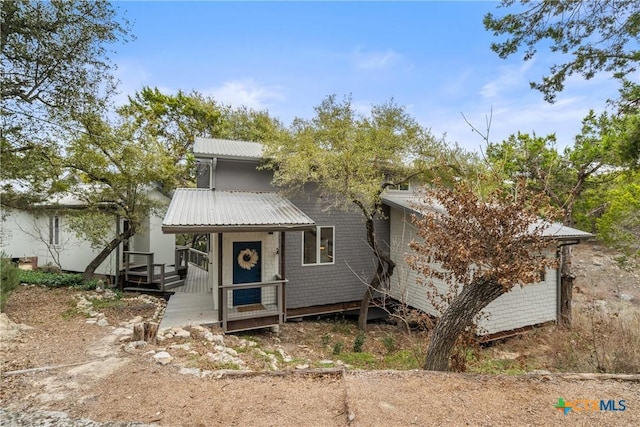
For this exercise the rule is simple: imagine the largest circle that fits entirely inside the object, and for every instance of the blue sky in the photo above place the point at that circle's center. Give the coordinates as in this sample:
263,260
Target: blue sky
432,57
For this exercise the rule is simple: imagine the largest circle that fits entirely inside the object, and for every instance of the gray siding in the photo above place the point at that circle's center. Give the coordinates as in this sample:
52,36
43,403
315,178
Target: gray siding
521,307
331,283
317,284
242,176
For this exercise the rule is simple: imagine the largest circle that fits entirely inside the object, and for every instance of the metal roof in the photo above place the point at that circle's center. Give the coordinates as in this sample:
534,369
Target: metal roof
407,200
227,149
200,210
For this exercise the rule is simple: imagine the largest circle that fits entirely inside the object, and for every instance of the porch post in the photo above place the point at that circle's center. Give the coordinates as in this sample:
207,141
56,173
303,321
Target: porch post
220,290
282,275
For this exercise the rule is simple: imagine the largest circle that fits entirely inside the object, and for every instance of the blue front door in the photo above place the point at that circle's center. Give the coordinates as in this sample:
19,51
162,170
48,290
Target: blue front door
247,268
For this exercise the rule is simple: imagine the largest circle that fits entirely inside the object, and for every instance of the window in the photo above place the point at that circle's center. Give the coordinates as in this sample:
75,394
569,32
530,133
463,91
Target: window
317,246
54,230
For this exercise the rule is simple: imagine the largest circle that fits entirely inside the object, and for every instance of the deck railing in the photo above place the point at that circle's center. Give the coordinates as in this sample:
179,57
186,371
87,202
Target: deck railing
199,259
138,262
269,311
182,255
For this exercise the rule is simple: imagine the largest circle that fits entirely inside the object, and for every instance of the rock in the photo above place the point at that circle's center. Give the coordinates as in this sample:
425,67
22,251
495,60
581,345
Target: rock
122,331
285,357
103,322
326,362
137,319
626,297
214,338
182,334
134,345
185,347
163,358
597,263
305,366
8,329
231,351
191,371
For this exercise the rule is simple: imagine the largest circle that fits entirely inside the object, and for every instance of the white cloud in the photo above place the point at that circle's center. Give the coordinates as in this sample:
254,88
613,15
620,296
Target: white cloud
375,60
509,77
246,93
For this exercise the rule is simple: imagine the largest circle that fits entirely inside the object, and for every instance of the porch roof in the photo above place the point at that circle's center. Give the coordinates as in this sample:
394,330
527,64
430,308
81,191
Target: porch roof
410,201
200,210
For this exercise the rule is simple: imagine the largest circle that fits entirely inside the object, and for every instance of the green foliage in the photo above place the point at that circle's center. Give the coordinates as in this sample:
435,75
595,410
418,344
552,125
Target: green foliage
358,343
174,121
403,359
337,347
325,339
565,177
54,58
619,226
350,156
389,343
9,280
359,360
50,280
592,36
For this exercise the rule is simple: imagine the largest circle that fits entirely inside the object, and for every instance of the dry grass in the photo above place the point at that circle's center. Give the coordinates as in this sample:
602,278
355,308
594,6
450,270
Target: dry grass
599,341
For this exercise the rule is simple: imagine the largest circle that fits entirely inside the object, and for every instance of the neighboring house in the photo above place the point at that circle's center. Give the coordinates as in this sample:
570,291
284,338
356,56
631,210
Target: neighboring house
44,234
522,307
274,258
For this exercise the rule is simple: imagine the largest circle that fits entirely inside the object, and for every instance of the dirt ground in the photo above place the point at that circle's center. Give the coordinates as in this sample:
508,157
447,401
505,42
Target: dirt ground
59,362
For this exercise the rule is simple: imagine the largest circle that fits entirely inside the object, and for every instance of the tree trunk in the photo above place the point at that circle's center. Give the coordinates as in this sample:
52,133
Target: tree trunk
99,259
458,316
383,273
363,314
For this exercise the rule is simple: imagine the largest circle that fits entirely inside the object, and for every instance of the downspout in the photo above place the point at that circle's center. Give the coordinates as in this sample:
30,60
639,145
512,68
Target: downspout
212,173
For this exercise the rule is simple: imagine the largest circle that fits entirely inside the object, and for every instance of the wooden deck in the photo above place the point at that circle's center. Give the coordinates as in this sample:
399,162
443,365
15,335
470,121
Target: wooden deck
192,303
189,308
197,281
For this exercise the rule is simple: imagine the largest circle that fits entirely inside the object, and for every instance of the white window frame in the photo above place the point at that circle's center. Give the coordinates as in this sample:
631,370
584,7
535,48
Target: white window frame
318,246
54,230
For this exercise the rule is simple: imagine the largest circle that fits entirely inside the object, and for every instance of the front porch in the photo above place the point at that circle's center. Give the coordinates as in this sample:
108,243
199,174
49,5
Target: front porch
245,256
193,304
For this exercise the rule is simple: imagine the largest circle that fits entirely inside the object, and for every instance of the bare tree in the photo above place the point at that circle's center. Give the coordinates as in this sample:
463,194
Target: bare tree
480,247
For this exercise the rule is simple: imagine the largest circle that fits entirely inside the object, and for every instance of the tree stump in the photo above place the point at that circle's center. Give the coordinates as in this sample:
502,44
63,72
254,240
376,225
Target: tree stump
138,332
147,331
151,332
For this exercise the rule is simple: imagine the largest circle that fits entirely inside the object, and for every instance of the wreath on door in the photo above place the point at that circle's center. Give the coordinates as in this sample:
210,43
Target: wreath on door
248,258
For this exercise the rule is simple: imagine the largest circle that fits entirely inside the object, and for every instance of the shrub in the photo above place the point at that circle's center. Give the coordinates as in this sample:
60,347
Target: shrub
9,280
359,342
50,280
337,348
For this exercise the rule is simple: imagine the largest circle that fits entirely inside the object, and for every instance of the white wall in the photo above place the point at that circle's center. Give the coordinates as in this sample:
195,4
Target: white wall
523,306
24,235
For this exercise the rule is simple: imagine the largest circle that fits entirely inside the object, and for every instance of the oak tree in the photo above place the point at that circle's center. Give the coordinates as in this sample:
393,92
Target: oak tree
352,158
54,60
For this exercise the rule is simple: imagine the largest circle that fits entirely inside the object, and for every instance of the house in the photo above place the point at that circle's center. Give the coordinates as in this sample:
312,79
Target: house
520,308
43,235
274,258
271,258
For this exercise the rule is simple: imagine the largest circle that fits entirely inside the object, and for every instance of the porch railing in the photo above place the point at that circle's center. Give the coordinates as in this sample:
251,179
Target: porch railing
199,259
269,311
182,254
